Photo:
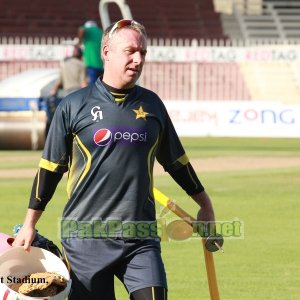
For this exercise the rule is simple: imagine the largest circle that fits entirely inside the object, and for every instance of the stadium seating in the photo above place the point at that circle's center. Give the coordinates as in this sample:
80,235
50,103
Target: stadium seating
174,19
278,20
180,19
163,18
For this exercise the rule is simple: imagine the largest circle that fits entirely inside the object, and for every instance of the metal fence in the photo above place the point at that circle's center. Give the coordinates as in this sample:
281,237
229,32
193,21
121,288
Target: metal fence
184,69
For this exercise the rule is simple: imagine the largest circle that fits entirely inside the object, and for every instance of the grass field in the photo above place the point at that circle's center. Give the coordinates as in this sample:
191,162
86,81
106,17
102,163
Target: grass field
265,264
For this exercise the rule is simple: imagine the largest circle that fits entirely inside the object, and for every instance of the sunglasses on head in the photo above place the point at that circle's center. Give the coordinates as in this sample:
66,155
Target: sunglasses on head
120,24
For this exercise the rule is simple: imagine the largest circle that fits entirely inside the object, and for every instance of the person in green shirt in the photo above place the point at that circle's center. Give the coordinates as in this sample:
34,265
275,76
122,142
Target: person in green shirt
90,36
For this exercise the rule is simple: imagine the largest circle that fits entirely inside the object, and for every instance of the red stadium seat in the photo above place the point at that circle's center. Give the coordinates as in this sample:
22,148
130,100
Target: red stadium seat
162,18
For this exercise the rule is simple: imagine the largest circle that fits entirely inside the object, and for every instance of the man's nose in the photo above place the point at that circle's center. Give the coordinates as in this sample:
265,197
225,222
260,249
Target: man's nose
138,58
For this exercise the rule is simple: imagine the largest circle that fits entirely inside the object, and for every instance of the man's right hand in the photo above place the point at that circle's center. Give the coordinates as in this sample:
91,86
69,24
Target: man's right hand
25,237
27,232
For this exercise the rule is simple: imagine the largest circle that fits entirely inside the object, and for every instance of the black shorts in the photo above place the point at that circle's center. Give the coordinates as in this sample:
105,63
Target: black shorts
95,262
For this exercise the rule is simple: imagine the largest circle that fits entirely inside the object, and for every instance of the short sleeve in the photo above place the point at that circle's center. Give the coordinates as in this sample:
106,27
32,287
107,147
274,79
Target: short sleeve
170,153
56,152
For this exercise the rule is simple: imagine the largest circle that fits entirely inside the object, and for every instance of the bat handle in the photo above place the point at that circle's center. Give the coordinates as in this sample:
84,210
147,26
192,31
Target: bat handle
211,273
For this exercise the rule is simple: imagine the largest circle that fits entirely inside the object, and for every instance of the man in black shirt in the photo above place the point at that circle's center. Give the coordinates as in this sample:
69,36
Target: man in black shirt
107,137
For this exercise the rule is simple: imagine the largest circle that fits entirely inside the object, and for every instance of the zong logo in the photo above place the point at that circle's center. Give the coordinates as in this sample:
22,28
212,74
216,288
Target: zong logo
263,116
96,113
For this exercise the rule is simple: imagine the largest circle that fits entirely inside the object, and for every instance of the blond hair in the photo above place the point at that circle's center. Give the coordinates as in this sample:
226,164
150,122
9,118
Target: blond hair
108,33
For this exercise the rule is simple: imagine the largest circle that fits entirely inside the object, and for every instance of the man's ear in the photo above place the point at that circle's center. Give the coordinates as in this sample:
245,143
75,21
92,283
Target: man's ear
105,51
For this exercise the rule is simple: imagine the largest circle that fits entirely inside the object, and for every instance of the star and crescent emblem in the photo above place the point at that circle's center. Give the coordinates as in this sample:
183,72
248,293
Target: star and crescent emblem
140,113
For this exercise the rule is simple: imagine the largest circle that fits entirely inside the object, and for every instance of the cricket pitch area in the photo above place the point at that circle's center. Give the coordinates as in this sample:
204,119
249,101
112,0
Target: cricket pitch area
255,181
217,164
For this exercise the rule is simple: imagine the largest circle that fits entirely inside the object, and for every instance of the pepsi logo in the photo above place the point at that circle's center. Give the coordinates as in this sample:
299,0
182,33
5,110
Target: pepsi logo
102,137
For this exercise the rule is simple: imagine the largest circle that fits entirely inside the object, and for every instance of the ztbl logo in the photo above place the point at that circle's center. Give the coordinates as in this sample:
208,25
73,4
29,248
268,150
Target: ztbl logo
102,137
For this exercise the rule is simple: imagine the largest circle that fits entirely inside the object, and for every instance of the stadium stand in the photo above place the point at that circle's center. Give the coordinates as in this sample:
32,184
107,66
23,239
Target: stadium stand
234,50
163,18
44,18
268,22
248,7
180,19
170,20
278,20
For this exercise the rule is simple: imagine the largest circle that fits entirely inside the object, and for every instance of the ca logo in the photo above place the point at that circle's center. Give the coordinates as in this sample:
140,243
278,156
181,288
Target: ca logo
96,113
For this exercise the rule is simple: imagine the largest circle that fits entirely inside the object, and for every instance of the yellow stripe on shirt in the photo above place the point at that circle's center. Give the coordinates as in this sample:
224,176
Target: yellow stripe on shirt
48,165
37,186
184,160
73,183
150,156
